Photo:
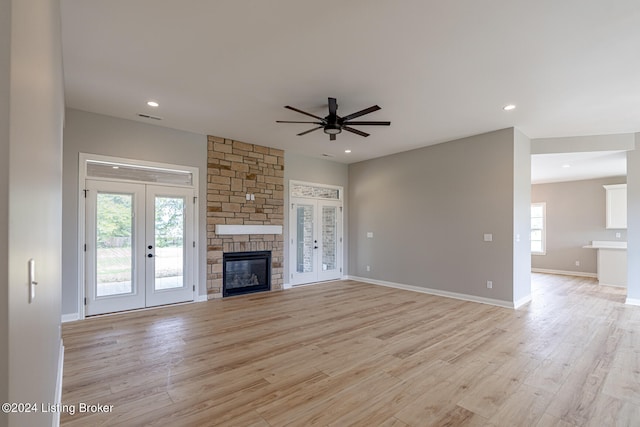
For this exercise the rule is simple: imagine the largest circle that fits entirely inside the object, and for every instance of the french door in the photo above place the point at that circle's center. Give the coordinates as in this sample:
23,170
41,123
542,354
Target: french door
139,243
316,240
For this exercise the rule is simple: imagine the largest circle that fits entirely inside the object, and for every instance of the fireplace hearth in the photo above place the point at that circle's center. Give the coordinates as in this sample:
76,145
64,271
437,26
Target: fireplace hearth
246,272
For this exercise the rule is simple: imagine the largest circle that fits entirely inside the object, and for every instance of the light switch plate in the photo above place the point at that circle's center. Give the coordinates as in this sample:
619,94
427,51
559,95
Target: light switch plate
488,237
369,234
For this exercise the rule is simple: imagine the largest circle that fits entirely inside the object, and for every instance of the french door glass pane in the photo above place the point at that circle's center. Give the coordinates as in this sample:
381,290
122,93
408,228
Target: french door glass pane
329,237
304,239
169,240
114,228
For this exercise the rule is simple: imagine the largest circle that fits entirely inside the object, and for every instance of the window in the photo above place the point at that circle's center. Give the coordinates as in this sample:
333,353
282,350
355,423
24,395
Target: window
538,226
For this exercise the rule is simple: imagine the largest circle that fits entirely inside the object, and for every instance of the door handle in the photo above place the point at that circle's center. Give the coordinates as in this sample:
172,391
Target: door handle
32,280
315,247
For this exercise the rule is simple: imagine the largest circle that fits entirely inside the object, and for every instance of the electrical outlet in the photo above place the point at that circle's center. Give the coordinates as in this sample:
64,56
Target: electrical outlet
618,235
489,284
368,268
577,263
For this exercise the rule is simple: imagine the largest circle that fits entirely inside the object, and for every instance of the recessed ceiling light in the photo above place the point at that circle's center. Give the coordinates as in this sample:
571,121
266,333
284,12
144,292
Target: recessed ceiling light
566,165
153,104
509,107
115,167
347,151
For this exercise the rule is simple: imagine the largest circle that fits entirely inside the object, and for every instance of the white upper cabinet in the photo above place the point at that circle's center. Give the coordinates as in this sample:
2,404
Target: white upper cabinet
616,205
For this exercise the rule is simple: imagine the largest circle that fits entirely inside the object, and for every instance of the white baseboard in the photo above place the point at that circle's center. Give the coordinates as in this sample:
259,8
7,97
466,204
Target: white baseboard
70,317
522,301
58,393
437,292
633,301
608,284
564,272
201,298
286,286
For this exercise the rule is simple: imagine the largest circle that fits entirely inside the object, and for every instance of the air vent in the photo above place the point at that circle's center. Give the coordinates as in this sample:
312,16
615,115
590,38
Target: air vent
327,155
147,116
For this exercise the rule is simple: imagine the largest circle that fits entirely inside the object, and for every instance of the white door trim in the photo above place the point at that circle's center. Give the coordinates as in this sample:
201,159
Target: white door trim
83,158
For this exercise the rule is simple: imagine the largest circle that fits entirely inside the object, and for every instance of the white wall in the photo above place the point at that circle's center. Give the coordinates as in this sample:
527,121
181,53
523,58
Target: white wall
34,164
633,223
429,209
521,218
309,169
578,144
99,134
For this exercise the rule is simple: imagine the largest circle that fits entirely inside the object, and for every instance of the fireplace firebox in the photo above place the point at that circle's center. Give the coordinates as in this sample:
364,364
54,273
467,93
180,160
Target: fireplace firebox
246,272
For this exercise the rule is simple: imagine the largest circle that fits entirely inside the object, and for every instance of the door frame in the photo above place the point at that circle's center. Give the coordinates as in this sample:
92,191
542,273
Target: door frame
83,159
339,202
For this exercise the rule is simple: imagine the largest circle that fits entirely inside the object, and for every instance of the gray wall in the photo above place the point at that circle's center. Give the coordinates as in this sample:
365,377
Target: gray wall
309,169
99,134
575,217
5,72
34,165
521,218
633,222
428,210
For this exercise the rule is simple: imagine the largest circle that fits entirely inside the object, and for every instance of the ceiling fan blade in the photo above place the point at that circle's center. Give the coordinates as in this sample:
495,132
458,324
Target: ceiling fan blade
309,131
304,112
356,131
332,137
359,123
288,121
333,106
361,113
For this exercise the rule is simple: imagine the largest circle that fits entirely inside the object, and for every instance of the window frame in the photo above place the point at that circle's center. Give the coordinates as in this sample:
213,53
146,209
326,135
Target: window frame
543,239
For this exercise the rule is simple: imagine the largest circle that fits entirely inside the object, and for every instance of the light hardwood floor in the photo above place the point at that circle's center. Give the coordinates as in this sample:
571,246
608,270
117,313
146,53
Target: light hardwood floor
348,353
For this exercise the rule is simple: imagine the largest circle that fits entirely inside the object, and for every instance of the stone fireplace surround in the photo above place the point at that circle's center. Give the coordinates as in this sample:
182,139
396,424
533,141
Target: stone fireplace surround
235,169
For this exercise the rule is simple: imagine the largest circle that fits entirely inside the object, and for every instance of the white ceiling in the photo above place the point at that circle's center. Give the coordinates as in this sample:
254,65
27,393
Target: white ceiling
440,70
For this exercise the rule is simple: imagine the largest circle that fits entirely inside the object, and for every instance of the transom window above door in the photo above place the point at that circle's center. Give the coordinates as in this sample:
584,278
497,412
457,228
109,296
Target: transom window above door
299,189
129,172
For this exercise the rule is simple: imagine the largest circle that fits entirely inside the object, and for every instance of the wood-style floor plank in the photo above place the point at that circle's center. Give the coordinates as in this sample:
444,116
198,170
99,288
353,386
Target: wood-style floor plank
352,354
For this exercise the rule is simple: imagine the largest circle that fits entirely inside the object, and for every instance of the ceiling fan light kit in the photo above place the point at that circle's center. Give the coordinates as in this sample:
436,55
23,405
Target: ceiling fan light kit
333,124
332,130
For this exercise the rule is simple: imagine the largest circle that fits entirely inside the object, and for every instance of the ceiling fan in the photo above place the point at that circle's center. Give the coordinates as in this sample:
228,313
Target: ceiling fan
334,124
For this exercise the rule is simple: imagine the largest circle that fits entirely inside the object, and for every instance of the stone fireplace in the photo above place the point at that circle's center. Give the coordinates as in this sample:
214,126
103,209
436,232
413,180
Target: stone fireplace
245,207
